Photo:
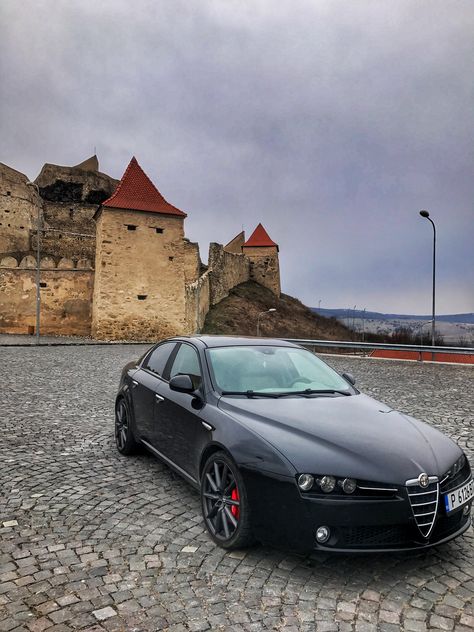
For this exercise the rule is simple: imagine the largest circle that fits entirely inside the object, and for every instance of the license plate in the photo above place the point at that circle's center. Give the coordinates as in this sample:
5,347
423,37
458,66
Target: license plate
459,497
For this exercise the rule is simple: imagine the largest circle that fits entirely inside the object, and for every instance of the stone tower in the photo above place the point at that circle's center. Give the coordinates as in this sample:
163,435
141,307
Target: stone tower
141,257
262,252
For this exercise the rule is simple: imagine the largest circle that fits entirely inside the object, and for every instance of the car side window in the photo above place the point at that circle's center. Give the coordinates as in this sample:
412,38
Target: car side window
156,361
187,363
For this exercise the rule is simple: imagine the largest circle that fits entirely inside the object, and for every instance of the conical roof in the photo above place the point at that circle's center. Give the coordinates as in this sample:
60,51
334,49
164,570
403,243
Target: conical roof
259,239
136,192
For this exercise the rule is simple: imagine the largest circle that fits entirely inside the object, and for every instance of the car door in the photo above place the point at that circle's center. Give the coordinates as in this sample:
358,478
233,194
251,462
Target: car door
145,384
178,415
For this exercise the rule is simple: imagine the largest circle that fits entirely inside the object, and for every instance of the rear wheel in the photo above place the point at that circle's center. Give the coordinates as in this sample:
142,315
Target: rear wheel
124,439
224,503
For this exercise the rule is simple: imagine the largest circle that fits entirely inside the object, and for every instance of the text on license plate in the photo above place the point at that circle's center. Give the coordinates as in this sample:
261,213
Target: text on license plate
459,496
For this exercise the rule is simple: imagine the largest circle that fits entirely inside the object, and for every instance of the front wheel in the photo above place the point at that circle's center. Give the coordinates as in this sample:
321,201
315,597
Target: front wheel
124,439
224,503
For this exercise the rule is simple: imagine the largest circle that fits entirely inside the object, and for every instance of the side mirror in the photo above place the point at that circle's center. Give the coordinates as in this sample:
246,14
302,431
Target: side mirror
182,384
349,377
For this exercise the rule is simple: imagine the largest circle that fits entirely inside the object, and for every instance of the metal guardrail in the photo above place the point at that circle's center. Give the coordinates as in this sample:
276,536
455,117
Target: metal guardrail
343,344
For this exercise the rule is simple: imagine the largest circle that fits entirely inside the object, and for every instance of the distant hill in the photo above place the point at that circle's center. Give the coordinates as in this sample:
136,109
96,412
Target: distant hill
238,313
358,313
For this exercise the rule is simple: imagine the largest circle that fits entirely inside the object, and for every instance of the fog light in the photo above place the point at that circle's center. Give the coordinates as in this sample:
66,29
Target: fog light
466,510
305,482
348,485
323,534
327,484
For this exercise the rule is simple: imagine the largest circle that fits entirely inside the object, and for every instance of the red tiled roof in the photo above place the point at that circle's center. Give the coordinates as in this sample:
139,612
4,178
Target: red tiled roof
259,238
137,192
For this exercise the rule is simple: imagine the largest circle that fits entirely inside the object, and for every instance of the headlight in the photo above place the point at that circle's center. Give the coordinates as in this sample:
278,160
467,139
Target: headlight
305,481
349,485
327,484
460,463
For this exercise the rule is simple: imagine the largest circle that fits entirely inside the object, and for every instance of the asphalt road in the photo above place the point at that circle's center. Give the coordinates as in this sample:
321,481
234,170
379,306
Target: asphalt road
92,540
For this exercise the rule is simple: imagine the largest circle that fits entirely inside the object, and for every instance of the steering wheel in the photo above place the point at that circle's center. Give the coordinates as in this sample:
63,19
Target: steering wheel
303,380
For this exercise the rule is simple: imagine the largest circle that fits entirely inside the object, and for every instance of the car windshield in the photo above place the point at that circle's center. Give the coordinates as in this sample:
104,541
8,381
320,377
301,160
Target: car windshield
272,369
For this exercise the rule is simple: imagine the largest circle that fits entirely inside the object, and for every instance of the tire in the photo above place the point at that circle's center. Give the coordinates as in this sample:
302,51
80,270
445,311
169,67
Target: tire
124,437
224,503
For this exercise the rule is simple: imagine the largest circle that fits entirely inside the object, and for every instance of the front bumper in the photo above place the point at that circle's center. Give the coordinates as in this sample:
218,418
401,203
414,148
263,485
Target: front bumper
403,545
282,516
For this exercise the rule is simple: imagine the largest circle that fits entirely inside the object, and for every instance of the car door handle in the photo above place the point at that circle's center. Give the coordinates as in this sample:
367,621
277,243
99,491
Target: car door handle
159,398
207,426
134,383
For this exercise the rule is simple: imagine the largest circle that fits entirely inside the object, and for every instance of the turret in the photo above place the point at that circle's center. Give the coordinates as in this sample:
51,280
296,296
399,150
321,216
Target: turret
262,252
140,260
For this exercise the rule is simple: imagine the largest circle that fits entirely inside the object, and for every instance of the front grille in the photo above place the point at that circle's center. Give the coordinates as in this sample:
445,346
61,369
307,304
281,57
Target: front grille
396,535
383,536
424,504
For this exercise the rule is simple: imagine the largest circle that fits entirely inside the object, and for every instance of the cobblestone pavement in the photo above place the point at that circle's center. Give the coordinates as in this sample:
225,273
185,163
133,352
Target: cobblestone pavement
92,540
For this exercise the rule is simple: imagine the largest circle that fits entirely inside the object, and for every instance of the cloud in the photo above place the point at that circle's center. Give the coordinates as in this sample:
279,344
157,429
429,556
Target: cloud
331,122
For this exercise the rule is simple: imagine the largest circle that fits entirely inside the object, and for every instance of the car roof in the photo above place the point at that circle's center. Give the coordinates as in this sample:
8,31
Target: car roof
235,341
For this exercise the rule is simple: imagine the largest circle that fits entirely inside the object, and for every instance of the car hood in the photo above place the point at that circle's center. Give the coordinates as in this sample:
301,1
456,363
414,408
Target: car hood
354,436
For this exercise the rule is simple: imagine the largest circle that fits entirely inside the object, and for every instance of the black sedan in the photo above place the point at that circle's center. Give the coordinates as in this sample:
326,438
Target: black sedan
286,451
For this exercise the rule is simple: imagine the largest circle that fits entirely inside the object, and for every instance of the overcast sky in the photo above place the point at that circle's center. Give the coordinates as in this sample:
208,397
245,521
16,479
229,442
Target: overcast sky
333,122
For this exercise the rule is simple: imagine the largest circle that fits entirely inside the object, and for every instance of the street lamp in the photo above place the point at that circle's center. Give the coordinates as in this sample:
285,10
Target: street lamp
268,311
426,215
38,254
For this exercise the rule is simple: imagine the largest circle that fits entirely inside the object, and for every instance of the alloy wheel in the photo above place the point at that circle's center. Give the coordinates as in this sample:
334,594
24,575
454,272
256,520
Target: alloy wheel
121,425
221,500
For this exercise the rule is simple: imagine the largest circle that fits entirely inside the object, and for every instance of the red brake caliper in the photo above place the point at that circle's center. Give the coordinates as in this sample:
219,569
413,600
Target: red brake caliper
234,509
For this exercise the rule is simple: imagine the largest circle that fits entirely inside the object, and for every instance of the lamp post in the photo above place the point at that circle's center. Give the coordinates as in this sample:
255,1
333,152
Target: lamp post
268,311
426,215
38,254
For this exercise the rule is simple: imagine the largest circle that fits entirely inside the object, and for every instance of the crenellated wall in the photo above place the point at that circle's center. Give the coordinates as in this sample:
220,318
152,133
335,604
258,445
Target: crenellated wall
46,263
226,270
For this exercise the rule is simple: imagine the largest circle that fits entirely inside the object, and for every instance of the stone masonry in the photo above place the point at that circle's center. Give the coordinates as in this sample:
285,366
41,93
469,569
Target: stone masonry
114,262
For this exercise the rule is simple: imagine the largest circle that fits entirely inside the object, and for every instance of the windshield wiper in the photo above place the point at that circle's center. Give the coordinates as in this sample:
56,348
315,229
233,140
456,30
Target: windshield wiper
304,393
311,391
250,393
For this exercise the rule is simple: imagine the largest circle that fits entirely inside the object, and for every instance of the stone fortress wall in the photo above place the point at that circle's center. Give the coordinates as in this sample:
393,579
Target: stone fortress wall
112,274
227,270
66,299
65,199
